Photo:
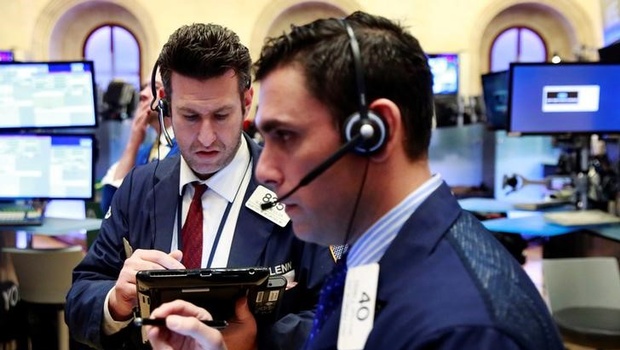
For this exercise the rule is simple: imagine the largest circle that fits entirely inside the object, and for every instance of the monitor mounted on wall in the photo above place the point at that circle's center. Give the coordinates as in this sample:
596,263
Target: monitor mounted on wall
566,98
445,70
40,95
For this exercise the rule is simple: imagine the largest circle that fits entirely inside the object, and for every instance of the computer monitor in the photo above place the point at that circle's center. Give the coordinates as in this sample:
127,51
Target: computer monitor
46,166
566,98
445,70
495,94
37,95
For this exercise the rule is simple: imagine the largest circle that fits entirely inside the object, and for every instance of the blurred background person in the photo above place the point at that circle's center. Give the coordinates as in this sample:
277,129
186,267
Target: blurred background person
137,151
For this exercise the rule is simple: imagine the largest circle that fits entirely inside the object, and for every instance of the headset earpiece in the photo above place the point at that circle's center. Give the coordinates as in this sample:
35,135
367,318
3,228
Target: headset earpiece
162,105
373,131
369,125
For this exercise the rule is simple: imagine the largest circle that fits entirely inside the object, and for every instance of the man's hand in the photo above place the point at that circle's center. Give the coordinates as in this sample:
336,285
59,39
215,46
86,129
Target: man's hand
139,126
124,296
241,331
184,329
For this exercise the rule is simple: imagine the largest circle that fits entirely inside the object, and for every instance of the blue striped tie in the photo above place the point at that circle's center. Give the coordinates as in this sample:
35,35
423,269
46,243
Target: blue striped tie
330,296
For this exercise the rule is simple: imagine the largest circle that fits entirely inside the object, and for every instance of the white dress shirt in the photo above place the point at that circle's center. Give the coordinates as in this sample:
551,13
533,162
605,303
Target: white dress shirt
226,187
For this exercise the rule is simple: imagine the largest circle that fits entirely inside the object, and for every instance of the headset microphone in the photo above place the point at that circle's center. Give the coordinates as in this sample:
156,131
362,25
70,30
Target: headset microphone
366,133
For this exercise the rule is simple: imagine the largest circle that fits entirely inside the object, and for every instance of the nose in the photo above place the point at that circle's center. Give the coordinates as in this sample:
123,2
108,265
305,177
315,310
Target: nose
267,171
206,132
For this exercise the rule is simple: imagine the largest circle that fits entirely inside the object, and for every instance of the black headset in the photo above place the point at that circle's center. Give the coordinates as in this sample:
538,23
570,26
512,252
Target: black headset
369,124
162,108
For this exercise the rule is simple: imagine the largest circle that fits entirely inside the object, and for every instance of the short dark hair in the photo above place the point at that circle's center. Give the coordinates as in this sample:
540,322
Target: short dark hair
395,67
204,51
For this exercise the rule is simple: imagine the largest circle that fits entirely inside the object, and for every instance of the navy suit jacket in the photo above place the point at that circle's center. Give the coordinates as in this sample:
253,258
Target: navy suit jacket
143,212
142,157
446,283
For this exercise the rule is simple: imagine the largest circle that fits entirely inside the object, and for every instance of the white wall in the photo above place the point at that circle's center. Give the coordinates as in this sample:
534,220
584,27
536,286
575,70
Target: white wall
55,29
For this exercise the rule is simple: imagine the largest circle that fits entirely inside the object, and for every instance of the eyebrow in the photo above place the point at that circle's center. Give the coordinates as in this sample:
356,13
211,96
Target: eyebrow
187,110
226,108
270,125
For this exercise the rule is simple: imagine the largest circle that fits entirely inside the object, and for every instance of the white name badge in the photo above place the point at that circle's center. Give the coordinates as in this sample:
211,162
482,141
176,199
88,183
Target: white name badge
275,214
358,306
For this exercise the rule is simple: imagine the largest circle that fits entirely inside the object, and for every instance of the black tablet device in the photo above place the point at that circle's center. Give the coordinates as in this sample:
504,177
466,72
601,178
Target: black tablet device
214,289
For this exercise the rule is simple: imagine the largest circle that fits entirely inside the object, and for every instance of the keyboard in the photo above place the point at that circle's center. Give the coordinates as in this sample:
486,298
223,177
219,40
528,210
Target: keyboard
20,215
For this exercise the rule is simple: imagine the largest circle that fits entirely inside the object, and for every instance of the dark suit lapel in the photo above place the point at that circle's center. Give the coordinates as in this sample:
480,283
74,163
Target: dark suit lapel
165,197
251,236
252,231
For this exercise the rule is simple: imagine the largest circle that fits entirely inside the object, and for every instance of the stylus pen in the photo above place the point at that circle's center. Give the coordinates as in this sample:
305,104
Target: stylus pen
138,321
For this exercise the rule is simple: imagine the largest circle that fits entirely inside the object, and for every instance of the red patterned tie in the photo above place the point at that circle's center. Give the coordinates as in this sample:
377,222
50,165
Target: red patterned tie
191,233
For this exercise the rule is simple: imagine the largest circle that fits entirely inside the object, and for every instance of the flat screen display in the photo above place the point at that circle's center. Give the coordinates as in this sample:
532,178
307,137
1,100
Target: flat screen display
566,98
495,94
51,166
445,70
47,95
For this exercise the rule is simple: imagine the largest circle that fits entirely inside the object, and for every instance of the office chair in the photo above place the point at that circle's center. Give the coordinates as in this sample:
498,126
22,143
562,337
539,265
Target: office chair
44,278
584,298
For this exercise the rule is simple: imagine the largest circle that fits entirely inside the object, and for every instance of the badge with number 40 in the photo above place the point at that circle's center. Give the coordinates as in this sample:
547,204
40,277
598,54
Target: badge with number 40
358,306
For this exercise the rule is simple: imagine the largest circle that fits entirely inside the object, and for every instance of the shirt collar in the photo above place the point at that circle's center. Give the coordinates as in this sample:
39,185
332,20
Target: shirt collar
227,180
162,137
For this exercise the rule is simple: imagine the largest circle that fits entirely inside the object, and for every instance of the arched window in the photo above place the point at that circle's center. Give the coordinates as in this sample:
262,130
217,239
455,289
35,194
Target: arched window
516,44
116,54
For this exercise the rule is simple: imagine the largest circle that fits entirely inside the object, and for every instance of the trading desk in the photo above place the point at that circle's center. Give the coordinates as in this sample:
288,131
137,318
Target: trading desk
585,240
485,205
534,223
55,227
531,225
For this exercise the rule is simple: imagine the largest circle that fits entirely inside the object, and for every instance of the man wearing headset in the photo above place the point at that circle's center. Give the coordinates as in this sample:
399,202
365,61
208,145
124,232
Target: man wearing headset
137,152
206,77
421,273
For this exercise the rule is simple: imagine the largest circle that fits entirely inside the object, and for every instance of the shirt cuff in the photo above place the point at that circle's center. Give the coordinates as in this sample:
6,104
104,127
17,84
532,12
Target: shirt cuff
108,178
110,326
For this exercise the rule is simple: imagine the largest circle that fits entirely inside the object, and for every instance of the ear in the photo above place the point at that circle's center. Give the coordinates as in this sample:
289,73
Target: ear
390,113
248,95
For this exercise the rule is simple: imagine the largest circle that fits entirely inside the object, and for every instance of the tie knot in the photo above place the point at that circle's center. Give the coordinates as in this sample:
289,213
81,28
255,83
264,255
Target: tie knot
199,189
339,251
